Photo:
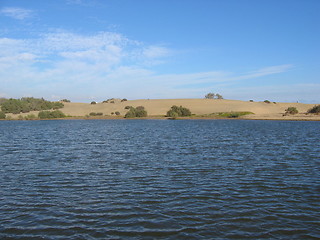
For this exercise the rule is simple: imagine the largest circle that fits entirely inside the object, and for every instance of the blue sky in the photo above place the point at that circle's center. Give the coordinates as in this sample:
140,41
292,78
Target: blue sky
87,50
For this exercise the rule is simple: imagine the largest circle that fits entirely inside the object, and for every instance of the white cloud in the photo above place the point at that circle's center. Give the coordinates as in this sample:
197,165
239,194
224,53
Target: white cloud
17,13
103,65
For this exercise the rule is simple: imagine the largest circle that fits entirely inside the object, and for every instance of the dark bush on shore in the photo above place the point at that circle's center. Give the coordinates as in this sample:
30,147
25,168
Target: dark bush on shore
51,114
65,100
315,109
28,104
117,113
178,111
266,101
95,114
136,112
124,100
291,110
2,115
127,107
93,102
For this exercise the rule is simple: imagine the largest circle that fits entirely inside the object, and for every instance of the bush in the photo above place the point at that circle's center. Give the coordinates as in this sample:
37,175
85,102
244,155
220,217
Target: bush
291,110
124,100
117,113
127,107
136,112
266,101
95,114
250,100
65,100
93,102
2,115
131,113
315,109
51,114
180,111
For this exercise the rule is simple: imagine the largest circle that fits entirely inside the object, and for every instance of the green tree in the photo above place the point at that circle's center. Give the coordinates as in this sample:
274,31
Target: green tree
209,96
218,96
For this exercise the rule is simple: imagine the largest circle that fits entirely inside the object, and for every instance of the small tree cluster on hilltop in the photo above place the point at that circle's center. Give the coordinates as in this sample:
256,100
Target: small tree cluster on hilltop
176,111
213,96
28,104
136,112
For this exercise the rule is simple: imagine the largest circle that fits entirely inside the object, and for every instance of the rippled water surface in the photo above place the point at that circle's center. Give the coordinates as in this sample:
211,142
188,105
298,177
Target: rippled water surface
158,179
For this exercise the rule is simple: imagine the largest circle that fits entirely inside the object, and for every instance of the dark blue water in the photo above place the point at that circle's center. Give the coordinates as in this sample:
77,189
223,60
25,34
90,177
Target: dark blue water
158,179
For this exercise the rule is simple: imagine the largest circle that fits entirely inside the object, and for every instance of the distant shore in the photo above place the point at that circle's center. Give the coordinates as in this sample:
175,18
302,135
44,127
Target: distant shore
200,108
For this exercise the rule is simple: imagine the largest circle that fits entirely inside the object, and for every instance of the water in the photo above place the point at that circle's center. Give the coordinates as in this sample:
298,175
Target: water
158,179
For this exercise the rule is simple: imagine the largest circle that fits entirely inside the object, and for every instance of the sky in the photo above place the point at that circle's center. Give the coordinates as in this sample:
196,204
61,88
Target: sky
85,50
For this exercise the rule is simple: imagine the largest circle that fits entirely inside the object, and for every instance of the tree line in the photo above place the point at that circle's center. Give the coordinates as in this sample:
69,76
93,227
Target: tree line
28,104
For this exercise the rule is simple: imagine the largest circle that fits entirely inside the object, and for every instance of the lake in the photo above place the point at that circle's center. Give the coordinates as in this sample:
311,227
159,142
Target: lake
159,179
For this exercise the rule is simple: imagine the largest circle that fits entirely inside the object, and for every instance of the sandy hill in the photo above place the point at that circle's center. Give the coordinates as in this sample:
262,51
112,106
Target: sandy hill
157,107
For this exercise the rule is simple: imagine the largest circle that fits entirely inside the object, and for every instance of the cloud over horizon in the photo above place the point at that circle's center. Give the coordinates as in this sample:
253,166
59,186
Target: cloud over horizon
105,64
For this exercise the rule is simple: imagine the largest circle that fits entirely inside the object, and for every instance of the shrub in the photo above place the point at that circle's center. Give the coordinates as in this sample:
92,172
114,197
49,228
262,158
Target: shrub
124,100
117,113
315,109
172,114
131,113
2,115
250,100
93,102
127,107
266,101
92,114
180,111
291,110
51,114
65,100
136,112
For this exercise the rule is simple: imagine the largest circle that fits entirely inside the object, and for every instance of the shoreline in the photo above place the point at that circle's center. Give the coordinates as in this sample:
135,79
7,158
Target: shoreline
314,118
202,109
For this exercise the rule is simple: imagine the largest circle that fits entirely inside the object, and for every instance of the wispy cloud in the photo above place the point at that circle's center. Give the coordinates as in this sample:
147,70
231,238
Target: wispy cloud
17,13
105,65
